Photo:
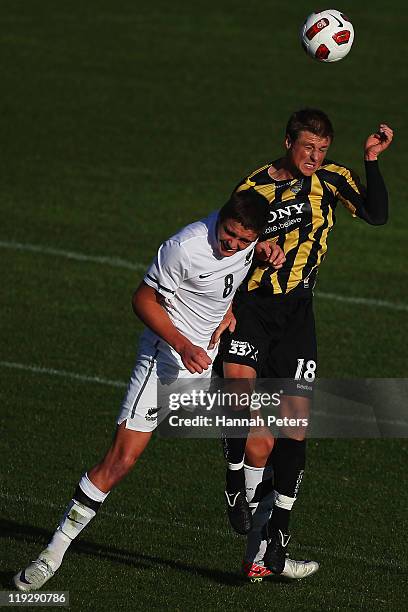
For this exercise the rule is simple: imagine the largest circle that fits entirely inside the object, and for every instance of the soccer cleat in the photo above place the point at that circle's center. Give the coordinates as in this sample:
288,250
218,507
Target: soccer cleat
296,570
239,512
255,572
36,574
293,570
275,554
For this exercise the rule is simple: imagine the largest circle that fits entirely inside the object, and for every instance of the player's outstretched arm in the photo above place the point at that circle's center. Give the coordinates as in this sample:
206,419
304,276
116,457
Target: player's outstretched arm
147,305
375,207
378,142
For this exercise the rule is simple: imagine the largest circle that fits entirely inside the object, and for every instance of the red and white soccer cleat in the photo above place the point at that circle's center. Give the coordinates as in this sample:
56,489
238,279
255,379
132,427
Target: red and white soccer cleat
255,572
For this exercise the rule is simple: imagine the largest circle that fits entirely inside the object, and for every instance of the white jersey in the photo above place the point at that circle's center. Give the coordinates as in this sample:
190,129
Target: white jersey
197,283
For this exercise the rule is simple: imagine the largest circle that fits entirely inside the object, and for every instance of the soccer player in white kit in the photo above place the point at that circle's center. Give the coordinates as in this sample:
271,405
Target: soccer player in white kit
185,296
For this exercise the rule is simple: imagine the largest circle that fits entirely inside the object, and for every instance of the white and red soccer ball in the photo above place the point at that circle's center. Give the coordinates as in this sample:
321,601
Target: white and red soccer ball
327,35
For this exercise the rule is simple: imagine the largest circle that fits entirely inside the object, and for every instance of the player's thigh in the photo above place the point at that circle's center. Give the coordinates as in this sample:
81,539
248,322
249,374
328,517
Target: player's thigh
156,377
295,416
293,360
141,409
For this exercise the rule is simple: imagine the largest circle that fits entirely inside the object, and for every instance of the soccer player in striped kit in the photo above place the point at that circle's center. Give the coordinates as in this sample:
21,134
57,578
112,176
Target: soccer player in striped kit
274,335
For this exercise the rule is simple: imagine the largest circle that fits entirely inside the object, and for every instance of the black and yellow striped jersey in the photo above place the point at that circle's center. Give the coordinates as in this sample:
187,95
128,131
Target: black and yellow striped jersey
302,215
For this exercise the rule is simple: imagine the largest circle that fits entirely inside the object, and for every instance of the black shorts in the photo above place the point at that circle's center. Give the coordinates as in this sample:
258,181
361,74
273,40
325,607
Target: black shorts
276,336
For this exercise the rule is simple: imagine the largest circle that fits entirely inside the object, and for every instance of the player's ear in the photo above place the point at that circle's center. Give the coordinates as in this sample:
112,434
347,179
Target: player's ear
288,143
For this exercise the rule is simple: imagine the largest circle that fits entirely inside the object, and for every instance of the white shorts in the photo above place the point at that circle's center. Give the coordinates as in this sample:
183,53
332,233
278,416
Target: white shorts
154,367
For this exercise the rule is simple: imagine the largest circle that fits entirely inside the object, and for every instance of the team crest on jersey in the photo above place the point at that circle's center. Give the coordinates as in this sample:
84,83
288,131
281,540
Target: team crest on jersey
242,348
297,186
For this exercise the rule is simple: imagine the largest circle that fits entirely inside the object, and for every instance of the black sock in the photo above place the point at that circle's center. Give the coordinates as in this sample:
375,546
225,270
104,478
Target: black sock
234,449
288,458
279,520
235,480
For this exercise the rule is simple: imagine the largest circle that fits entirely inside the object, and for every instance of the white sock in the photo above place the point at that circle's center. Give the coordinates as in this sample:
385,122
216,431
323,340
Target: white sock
76,517
253,477
91,490
261,511
235,466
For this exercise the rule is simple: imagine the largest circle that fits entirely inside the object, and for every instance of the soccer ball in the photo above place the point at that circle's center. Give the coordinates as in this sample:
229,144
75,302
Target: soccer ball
327,36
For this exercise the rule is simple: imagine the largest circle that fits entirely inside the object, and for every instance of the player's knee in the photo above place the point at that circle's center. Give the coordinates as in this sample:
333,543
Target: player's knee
296,413
126,461
258,449
298,433
119,464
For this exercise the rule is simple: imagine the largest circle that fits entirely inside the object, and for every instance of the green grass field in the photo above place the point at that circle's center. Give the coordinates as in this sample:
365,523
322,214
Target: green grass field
121,122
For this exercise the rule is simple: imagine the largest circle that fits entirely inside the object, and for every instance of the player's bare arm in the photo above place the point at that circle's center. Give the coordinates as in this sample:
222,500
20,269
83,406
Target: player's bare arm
228,322
147,305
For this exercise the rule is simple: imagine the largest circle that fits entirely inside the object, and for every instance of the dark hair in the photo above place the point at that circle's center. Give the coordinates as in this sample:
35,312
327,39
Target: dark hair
310,120
250,208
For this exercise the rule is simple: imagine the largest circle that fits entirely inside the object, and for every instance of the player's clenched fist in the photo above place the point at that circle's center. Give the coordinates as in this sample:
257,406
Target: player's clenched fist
194,358
378,142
